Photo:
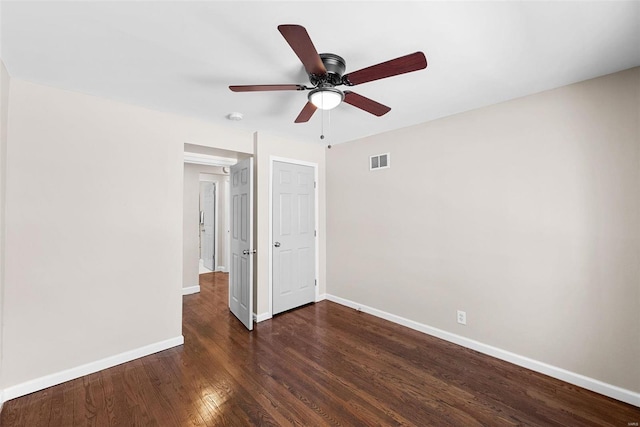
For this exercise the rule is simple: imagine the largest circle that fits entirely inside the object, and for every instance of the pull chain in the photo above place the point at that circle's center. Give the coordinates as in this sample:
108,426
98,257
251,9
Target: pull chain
328,124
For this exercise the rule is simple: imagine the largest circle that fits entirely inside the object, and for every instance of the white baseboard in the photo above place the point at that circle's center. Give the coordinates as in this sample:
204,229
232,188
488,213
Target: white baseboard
321,297
89,368
1,400
598,386
221,268
191,290
261,317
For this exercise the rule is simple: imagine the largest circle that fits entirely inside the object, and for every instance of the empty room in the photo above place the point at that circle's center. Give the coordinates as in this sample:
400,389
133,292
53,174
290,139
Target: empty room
312,213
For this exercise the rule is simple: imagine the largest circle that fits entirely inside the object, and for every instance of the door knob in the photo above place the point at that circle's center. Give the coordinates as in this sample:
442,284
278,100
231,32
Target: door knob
276,244
247,252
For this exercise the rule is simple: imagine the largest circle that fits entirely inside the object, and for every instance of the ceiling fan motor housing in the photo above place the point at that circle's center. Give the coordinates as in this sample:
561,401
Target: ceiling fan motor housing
335,66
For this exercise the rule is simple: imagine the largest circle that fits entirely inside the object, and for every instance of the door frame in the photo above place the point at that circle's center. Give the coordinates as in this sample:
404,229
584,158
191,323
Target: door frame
189,157
273,159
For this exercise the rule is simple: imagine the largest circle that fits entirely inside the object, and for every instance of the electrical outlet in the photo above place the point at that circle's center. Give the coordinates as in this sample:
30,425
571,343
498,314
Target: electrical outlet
462,317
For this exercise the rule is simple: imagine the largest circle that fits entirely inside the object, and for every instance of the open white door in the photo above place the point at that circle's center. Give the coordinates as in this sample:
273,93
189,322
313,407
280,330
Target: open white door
241,271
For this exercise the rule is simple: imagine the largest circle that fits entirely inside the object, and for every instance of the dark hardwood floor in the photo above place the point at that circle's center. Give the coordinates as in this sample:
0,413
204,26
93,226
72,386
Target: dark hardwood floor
322,364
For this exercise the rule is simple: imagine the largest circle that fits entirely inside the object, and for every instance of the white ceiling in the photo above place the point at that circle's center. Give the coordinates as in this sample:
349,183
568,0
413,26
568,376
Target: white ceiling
181,56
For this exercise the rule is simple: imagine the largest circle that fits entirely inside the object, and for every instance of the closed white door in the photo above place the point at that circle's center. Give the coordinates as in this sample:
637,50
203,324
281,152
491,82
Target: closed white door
208,224
241,271
294,233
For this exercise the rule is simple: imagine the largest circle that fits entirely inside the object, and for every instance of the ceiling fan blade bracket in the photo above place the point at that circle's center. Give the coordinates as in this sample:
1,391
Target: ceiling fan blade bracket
316,79
345,81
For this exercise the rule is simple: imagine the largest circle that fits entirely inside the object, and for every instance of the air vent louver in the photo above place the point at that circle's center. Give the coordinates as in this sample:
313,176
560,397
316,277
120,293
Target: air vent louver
379,161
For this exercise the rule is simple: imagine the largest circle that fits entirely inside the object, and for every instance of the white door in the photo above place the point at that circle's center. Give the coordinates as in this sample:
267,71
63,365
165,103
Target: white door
208,219
294,232
241,271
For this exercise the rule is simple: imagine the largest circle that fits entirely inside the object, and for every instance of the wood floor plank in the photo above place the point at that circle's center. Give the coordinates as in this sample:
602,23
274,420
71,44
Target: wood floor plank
388,374
228,358
322,364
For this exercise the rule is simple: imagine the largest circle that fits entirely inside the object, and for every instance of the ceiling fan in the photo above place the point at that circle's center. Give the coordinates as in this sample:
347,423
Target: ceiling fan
326,71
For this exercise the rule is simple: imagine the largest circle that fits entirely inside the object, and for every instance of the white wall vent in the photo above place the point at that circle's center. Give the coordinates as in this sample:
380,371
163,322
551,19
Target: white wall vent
380,161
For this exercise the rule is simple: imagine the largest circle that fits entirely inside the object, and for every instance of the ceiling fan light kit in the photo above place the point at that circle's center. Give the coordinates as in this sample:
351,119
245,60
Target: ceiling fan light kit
326,71
326,98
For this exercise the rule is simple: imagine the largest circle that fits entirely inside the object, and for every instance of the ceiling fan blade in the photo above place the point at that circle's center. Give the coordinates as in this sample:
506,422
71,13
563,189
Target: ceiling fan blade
300,42
306,113
366,104
258,88
405,64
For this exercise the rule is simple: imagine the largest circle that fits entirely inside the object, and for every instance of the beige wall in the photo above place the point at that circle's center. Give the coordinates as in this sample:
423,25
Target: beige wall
525,214
4,118
190,242
266,146
94,227
191,228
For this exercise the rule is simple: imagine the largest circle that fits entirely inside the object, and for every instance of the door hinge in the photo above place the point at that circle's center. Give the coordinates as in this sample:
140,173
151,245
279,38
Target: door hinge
314,184
316,282
315,233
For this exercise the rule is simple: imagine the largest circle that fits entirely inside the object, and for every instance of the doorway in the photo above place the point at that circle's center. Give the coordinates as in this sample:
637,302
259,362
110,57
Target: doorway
205,213
209,249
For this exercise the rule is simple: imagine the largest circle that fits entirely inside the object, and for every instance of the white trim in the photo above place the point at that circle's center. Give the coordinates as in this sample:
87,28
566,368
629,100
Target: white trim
273,159
251,229
216,237
592,384
206,159
1,400
321,297
89,368
261,317
221,268
216,226
227,222
191,290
